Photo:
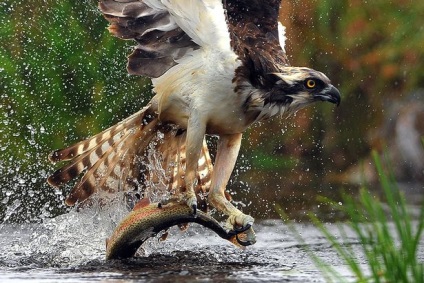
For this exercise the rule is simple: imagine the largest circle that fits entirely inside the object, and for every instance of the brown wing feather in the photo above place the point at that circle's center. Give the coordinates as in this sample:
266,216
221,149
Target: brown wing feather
262,13
254,37
160,41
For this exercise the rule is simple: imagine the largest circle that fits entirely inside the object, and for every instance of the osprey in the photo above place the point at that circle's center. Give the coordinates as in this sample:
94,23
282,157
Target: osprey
217,67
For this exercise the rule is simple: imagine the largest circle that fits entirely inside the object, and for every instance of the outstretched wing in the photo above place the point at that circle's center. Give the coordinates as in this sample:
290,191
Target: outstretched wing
258,38
165,30
254,17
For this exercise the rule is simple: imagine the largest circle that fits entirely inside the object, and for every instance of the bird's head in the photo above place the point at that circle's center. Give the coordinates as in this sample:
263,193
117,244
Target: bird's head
297,87
291,89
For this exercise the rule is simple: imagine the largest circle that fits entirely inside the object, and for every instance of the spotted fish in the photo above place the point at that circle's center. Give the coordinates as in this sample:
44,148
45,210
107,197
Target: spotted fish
147,219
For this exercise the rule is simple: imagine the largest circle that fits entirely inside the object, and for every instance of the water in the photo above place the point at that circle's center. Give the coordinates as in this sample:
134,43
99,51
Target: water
71,248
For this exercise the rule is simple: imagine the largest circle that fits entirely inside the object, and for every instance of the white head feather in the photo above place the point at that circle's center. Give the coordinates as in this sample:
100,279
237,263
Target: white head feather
282,35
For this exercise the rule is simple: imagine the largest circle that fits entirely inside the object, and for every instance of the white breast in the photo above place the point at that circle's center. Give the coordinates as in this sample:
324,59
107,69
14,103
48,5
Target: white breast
202,80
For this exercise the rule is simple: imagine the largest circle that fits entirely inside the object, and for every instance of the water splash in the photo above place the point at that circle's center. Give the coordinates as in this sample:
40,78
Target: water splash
157,186
67,240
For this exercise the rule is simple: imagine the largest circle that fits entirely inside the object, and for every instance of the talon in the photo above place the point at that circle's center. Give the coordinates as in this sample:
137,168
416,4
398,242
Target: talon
242,229
236,231
244,244
245,236
192,202
239,220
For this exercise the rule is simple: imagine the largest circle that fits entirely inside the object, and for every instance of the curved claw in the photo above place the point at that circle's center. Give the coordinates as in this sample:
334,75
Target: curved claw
237,231
192,203
247,234
242,243
194,208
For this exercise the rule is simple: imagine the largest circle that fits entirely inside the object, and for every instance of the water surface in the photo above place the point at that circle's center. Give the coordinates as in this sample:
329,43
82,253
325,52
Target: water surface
71,248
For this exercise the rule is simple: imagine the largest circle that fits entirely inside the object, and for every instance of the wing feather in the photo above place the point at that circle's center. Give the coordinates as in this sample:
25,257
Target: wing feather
255,28
166,30
160,40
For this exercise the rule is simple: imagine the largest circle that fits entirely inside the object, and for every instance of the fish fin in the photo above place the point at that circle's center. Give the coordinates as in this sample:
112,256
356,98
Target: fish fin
164,236
141,204
184,226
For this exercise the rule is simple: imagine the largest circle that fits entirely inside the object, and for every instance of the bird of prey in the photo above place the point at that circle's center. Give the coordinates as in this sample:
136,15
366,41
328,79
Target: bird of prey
217,67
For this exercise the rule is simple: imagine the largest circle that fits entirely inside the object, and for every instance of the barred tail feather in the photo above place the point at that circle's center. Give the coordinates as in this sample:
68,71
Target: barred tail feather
83,146
173,149
87,159
94,155
111,171
119,159
95,174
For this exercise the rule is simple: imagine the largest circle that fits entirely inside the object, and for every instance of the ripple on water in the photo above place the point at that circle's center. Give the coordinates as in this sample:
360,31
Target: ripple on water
71,248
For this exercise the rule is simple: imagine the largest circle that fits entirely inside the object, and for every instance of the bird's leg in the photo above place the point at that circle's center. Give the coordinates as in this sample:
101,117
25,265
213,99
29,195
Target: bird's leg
194,142
228,148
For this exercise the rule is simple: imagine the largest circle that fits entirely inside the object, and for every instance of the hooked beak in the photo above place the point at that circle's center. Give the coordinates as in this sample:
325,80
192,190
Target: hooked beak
330,94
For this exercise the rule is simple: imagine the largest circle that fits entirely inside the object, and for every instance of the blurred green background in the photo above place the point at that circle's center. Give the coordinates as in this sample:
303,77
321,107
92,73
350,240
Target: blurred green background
63,79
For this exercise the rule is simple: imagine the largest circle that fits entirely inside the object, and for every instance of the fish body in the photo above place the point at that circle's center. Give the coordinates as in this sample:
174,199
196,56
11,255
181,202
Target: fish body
146,220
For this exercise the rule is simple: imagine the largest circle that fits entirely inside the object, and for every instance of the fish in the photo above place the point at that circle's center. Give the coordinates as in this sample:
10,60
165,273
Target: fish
147,219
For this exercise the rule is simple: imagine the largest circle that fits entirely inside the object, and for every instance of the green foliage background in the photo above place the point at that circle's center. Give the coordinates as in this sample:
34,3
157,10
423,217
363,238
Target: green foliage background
63,78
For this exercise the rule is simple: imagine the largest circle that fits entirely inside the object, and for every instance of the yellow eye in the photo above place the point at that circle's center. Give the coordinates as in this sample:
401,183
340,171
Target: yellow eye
310,84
